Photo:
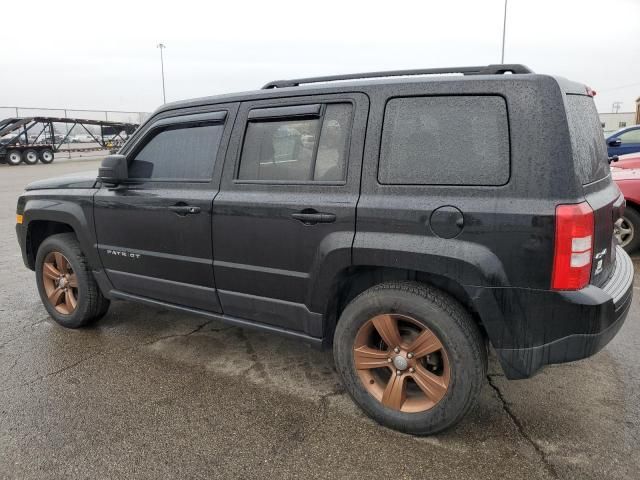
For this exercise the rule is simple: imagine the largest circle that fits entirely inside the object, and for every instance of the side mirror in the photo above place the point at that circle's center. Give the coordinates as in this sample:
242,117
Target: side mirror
113,170
614,142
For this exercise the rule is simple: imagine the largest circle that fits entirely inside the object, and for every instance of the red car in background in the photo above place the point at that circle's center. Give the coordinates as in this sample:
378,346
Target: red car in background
631,160
628,180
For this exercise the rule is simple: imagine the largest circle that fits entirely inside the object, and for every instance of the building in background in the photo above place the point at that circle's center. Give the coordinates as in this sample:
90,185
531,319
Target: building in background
615,121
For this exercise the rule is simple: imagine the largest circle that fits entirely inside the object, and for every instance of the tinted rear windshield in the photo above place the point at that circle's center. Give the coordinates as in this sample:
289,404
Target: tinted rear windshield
587,139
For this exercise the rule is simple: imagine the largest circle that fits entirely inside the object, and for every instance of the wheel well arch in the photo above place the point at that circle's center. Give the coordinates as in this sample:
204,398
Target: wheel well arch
633,204
38,231
352,281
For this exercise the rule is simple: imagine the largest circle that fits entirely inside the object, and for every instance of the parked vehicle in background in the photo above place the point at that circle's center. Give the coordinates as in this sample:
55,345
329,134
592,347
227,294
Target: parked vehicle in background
628,227
83,138
625,140
407,222
631,160
30,139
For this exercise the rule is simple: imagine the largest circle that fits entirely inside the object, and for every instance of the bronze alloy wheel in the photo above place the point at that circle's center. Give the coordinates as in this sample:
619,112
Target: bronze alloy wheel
60,283
401,363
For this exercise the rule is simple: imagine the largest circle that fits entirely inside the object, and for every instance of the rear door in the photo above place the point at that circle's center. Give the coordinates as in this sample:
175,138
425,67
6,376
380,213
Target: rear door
154,232
286,205
591,163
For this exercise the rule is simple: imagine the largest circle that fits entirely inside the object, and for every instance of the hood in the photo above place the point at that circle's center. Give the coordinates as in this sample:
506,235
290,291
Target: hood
76,180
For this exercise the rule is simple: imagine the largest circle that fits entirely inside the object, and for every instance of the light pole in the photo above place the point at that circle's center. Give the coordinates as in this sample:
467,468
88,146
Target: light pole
504,30
161,46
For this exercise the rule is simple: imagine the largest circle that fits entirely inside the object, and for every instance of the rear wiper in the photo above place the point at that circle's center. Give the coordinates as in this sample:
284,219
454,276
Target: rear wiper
613,159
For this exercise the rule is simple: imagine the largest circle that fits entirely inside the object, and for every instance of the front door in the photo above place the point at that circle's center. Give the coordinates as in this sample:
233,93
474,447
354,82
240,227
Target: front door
286,205
154,232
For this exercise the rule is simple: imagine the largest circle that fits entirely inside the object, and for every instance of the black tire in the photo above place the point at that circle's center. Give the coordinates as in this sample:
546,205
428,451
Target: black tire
630,225
30,156
14,157
91,304
46,155
448,320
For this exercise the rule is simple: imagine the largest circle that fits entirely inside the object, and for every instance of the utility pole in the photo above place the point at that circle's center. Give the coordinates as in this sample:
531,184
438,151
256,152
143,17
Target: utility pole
504,30
162,46
615,107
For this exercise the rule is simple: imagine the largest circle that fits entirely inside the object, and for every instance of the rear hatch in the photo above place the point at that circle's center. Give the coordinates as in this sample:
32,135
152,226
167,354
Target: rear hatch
592,166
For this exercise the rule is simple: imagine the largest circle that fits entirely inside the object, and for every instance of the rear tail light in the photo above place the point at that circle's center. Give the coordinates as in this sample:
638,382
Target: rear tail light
573,247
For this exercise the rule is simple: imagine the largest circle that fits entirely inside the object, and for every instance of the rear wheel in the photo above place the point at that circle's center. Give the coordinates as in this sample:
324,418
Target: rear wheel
410,356
65,282
14,157
627,230
30,156
46,155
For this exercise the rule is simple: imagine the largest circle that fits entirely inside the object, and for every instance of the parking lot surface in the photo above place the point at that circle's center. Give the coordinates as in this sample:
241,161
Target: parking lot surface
148,393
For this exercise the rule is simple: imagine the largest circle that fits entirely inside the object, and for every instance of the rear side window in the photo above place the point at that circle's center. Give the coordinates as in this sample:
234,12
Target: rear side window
313,149
185,152
450,140
587,139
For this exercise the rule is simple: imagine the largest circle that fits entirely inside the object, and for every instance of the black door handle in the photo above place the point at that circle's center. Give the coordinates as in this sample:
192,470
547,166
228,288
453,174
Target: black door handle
312,217
184,209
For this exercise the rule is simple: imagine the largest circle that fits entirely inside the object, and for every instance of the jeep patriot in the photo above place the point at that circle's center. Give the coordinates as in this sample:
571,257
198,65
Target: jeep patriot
405,219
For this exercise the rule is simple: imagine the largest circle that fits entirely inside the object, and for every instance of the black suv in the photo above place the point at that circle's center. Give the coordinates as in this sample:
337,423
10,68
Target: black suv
406,219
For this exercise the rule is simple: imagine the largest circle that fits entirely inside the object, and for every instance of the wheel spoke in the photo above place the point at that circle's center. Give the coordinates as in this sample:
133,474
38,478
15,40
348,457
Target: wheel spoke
387,328
70,300
367,358
395,392
50,271
55,296
61,263
73,280
425,344
433,386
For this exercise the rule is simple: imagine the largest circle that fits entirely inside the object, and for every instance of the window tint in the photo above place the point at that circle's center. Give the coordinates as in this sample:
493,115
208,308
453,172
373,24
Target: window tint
587,141
185,152
455,140
296,149
631,136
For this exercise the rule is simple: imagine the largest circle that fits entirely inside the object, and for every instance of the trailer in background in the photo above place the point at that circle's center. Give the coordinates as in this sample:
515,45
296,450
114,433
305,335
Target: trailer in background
30,139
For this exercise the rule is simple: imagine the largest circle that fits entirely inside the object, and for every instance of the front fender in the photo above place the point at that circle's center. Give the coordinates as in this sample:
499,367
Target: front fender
73,208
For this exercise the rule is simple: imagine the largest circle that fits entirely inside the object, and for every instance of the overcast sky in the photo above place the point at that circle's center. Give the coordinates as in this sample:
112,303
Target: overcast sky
103,55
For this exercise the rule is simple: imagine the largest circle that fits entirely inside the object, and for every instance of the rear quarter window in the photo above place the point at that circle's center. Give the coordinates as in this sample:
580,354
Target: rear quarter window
445,140
587,139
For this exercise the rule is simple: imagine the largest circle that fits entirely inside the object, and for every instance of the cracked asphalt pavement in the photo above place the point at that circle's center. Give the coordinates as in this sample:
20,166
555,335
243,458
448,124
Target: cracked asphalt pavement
148,393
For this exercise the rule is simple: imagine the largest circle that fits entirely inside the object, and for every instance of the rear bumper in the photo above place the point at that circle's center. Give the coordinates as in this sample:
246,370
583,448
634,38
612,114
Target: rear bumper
547,327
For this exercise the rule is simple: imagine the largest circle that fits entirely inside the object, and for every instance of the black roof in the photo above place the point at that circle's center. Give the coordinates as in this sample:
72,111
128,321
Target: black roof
336,83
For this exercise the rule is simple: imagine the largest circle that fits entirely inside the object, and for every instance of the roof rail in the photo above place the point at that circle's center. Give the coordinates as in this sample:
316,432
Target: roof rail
496,69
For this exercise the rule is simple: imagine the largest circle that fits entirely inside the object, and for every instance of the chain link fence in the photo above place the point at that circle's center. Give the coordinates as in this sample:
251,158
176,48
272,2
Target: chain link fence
106,115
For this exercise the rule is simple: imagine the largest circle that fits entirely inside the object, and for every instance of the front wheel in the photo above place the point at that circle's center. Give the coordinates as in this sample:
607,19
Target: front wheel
65,282
410,356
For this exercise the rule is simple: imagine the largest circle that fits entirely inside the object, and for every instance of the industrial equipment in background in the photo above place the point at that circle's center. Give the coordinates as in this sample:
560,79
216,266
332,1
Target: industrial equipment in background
33,139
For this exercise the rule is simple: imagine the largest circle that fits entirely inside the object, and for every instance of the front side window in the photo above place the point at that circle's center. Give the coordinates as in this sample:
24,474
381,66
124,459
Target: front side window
313,149
183,152
449,140
631,136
